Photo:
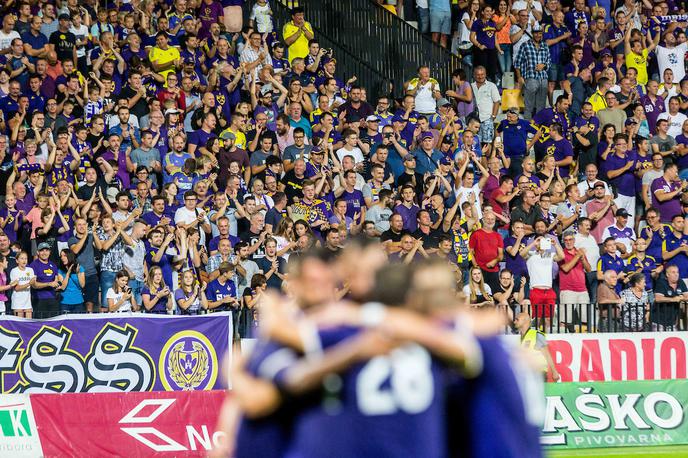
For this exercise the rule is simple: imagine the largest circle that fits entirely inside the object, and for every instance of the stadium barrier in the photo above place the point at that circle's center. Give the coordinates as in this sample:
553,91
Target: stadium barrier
114,352
590,317
166,424
616,414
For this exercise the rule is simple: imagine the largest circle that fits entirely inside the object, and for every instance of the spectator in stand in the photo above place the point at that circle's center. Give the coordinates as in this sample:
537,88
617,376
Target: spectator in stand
478,292
487,250
671,294
540,261
517,136
532,66
485,46
621,231
297,33
675,246
608,301
487,100
573,296
666,193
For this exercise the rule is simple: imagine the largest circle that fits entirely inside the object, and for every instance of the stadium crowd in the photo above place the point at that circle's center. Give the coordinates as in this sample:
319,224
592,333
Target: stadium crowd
164,157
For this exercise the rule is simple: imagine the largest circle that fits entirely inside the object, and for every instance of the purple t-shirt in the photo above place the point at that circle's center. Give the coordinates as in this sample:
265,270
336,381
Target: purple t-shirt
624,183
562,150
652,110
409,216
682,161
354,202
485,32
200,138
10,216
669,208
208,14
516,264
45,273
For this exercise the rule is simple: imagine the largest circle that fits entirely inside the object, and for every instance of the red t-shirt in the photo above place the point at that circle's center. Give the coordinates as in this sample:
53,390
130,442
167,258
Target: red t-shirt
574,280
486,246
502,209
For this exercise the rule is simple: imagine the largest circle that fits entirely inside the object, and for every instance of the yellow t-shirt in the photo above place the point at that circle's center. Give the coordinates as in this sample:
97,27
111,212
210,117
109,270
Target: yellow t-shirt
639,62
239,137
163,57
299,48
597,101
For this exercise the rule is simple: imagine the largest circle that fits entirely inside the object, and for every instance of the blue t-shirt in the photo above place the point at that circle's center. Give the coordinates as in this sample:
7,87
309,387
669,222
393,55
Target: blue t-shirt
609,262
73,293
165,263
671,242
515,136
216,291
624,183
654,248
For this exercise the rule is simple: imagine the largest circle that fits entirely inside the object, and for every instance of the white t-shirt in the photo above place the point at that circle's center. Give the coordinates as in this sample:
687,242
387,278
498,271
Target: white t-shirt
467,290
21,300
425,102
463,193
675,122
522,5
111,294
185,216
521,41
6,38
356,153
589,244
464,33
261,15
672,58
540,269
81,34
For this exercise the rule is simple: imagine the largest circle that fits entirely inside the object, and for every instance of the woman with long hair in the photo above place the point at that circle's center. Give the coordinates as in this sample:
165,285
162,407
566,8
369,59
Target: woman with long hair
155,294
23,277
479,294
190,295
606,144
284,236
169,192
119,297
73,283
503,18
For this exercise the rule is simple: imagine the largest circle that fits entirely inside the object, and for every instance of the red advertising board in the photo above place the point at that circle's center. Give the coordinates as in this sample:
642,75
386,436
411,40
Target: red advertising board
619,356
128,424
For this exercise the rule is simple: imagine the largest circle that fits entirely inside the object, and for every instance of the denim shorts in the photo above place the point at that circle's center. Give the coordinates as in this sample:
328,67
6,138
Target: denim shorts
440,22
555,72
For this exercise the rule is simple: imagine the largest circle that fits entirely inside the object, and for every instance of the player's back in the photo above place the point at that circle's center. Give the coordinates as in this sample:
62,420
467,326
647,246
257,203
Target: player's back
269,436
487,415
389,406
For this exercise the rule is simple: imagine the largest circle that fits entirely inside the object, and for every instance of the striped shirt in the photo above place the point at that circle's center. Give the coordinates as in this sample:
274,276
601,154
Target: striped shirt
529,57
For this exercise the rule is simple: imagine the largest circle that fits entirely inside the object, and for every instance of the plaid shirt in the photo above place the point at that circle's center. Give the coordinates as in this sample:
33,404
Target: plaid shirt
529,56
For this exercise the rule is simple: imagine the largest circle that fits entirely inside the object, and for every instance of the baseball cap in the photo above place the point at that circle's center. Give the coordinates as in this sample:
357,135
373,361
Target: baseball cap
443,102
171,111
425,135
266,89
445,161
622,212
226,135
537,28
327,60
66,17
398,118
372,118
189,60
447,139
630,121
317,150
598,184
605,52
44,246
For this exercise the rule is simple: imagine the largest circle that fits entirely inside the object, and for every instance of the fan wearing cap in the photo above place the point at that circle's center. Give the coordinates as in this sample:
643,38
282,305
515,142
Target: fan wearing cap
46,280
62,41
513,133
621,231
600,209
427,157
371,135
532,64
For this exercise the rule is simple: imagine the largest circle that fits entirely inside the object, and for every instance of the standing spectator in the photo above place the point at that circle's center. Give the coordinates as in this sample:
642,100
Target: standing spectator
620,170
485,46
23,278
514,135
666,193
555,36
540,259
487,250
573,296
532,65
487,100
600,210
521,32
426,91
536,341
584,240
649,176
440,21
46,281
675,246
612,114
621,231
63,42
297,33
637,55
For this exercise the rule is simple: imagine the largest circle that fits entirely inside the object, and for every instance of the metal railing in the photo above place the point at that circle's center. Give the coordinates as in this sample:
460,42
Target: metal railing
370,42
591,318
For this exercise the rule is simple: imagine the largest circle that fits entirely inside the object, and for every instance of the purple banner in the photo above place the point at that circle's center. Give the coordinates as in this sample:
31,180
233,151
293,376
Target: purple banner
113,352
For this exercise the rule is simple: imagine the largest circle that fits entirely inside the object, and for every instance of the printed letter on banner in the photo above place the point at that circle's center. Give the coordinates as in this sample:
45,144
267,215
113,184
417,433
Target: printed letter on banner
18,432
113,353
615,414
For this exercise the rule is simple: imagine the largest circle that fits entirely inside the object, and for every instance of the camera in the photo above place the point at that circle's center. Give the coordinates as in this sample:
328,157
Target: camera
215,170
388,135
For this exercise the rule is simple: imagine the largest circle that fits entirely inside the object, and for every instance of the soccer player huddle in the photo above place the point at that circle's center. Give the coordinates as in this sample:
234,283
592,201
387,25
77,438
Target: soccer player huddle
363,358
